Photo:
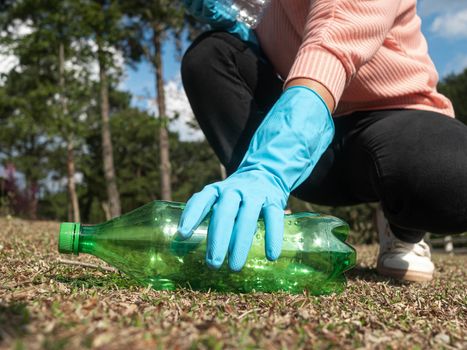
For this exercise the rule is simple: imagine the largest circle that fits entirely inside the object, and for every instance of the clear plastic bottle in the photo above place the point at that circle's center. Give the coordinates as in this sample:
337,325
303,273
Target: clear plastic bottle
145,245
247,11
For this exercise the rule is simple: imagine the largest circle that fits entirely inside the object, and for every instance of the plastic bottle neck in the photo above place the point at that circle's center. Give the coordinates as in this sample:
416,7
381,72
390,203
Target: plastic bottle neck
86,243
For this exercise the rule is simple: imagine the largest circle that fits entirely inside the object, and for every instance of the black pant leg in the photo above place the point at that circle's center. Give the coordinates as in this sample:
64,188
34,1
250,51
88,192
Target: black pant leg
230,90
416,164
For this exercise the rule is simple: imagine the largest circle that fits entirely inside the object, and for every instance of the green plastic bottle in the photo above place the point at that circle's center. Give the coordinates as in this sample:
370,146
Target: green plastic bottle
144,244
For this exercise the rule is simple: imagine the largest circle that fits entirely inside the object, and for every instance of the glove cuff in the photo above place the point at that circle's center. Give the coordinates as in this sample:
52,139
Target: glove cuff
314,93
292,137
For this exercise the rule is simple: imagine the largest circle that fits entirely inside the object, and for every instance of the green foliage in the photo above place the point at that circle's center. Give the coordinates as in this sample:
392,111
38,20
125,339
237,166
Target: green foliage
165,16
455,88
101,23
136,150
42,101
194,165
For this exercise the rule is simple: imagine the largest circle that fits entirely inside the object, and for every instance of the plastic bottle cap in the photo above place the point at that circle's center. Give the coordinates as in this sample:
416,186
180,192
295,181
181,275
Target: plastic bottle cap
68,238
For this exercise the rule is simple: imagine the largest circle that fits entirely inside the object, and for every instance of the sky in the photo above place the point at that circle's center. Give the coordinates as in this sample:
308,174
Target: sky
444,24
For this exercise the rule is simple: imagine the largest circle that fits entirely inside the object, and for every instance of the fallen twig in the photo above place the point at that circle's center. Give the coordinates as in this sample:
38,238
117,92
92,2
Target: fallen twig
246,313
84,264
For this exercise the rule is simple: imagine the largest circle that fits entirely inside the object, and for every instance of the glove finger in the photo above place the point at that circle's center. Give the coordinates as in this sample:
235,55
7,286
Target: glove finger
274,223
196,210
211,9
220,228
218,12
243,233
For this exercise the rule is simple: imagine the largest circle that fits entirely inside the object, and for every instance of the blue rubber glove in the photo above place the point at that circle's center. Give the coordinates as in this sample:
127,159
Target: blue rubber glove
281,155
220,16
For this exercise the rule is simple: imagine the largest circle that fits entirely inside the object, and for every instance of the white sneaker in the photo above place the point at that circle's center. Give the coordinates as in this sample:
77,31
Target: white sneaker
401,260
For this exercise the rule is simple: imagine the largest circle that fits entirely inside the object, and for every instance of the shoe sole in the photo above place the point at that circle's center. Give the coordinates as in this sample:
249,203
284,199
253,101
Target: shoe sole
405,275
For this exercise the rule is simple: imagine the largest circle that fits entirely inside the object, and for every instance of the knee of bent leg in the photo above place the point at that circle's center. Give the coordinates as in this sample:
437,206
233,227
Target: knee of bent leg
204,54
192,59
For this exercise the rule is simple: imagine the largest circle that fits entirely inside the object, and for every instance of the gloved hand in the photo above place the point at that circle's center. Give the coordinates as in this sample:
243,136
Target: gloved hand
281,155
219,16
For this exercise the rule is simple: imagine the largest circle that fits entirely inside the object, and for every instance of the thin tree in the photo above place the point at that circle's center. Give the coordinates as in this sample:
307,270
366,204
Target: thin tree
66,34
157,20
103,18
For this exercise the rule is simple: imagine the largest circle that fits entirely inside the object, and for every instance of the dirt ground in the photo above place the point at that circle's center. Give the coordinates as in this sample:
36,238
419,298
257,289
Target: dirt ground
48,305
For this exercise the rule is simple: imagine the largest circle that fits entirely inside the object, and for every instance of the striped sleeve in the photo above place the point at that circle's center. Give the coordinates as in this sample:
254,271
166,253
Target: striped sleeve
339,37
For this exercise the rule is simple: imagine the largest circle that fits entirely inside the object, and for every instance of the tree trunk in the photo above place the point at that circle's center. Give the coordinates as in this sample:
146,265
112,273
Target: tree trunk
107,151
33,201
71,182
223,172
86,212
165,167
106,209
74,214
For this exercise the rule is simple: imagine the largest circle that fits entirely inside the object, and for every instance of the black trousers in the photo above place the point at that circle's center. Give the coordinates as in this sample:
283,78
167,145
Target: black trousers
414,162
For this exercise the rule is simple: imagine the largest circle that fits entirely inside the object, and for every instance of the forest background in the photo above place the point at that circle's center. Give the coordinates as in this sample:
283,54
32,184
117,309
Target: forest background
76,144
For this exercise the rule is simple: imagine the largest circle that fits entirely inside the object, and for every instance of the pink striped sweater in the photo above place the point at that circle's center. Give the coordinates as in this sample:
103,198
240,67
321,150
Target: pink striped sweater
370,54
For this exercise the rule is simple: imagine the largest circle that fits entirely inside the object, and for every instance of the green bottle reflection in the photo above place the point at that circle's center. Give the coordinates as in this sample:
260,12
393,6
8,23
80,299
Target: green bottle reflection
144,244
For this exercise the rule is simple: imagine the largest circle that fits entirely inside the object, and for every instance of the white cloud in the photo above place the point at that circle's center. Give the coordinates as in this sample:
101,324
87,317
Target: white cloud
8,61
451,25
433,7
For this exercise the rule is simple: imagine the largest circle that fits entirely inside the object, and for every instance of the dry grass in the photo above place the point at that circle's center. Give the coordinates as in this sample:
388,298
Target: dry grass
47,305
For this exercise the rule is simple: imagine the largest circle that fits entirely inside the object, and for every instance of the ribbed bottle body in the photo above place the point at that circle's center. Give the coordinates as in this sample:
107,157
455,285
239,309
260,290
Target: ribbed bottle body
249,12
145,245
